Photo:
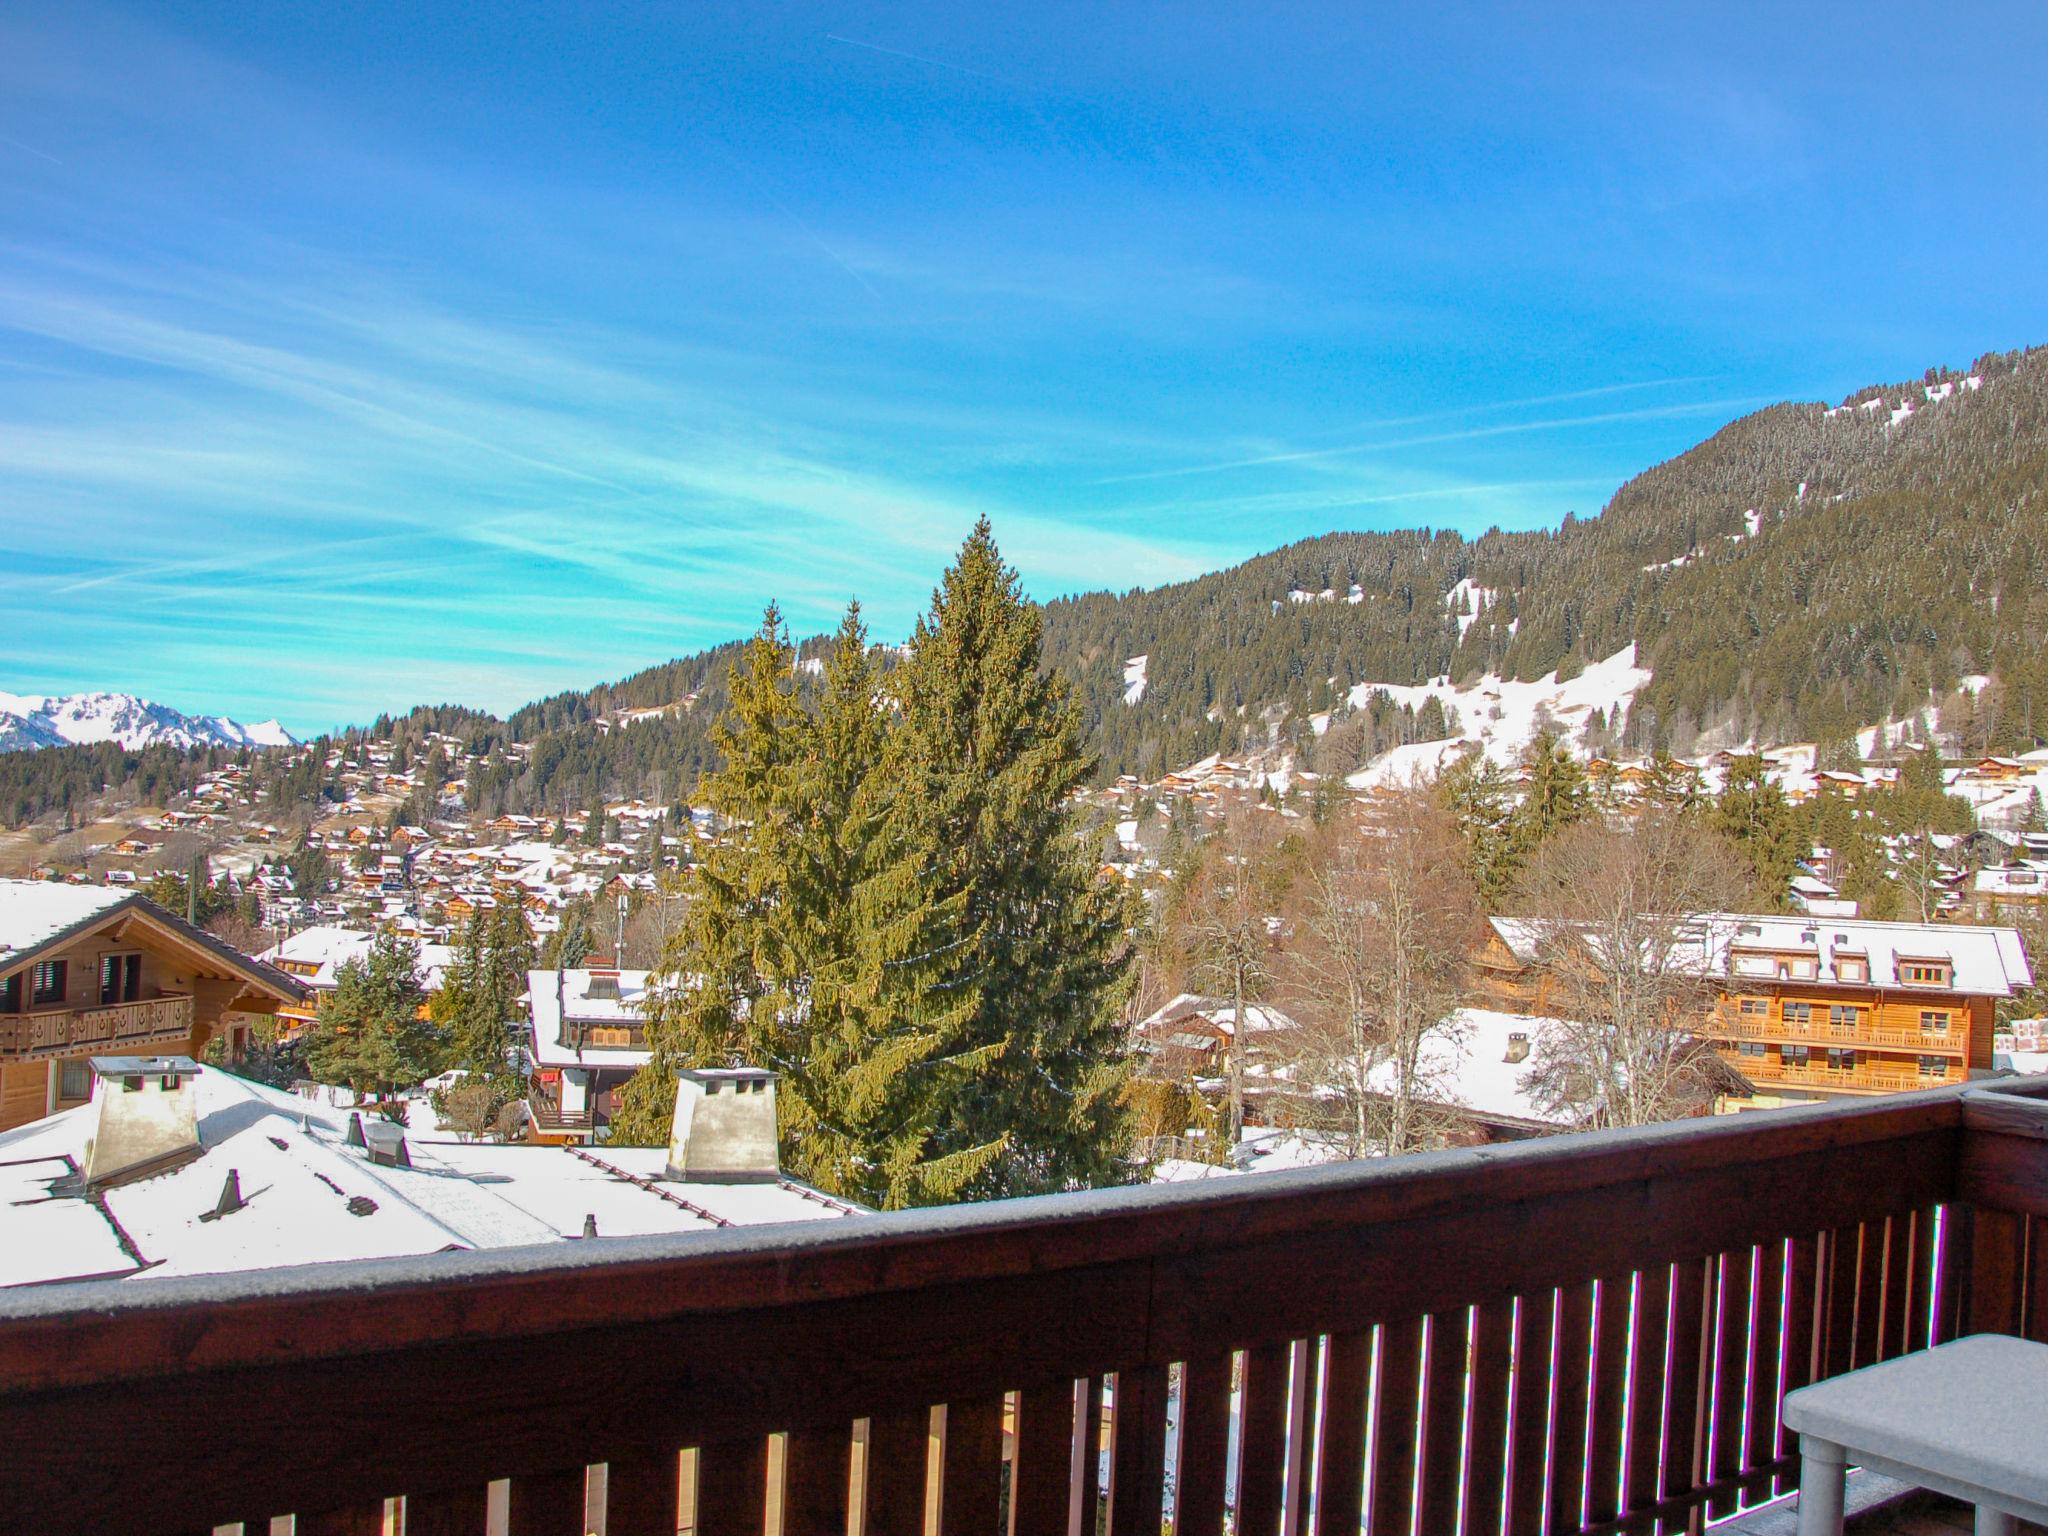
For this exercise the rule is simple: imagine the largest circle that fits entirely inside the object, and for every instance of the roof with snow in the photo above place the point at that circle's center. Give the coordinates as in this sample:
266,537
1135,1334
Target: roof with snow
315,954
308,1196
1983,961
553,996
36,915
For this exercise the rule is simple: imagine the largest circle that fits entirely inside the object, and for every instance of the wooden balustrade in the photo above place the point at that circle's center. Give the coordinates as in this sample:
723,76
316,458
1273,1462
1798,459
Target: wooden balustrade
1581,1334
1731,1024
1868,1075
108,1028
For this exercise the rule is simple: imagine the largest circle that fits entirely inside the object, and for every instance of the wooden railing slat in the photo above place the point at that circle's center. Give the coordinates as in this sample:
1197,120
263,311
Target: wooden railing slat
971,1463
1729,1400
732,1488
1894,1318
457,1512
1137,1459
1529,1413
1486,1460
1802,1338
1262,1440
1395,1428
1649,1356
1091,1438
1607,1411
2034,1308
640,1496
1870,1255
1920,1266
894,1474
1443,1424
365,1518
1340,1451
1041,1471
1766,1364
547,1503
1997,1272
1568,1431
1692,1341
1201,1468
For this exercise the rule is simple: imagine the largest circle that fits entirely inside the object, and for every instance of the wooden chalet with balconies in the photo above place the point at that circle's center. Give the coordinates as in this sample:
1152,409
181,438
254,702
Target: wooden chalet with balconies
1811,1006
96,971
1835,1005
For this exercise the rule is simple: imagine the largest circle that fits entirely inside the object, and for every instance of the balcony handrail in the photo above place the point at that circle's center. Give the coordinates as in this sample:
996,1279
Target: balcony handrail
413,1376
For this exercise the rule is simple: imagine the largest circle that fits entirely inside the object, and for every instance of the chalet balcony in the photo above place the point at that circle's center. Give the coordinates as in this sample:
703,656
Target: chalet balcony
1584,1334
1730,1023
1869,1075
49,1032
550,1119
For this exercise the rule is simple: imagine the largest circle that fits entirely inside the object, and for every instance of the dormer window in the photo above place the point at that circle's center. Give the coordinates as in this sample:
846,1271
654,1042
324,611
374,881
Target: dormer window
1924,973
1852,967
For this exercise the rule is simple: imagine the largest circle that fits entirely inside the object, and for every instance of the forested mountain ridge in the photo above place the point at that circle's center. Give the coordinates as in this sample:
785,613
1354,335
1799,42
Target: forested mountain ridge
1804,571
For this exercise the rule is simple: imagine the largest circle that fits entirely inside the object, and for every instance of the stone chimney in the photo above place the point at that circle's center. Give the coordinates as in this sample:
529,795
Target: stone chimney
148,1122
724,1131
1518,1047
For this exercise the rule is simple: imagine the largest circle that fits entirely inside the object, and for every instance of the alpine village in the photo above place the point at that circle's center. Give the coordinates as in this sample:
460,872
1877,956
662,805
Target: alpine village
1528,1030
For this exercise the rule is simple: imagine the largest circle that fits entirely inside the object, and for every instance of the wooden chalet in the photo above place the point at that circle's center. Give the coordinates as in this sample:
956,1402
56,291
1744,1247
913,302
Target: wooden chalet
96,971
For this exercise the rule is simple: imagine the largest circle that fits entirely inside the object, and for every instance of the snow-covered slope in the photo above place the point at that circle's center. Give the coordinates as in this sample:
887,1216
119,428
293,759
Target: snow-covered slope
1499,716
31,721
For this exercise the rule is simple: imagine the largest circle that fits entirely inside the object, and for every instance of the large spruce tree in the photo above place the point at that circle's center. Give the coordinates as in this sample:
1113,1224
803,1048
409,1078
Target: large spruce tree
901,919
993,750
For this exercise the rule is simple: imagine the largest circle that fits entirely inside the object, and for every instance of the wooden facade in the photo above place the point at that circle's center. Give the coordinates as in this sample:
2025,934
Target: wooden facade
1781,1026
130,980
1576,1335
1784,1027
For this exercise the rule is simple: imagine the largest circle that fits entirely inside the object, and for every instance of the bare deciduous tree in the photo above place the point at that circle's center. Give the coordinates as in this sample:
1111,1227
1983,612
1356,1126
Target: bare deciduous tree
1615,911
1384,922
1224,917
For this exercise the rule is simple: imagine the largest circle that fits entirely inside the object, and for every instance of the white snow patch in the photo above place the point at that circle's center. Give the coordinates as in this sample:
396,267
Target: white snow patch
1134,678
1498,716
1480,599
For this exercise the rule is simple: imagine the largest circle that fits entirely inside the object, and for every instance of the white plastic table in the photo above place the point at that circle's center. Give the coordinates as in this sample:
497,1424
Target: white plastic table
1965,1419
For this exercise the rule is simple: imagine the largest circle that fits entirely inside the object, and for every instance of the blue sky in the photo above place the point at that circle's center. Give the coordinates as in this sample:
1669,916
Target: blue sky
358,356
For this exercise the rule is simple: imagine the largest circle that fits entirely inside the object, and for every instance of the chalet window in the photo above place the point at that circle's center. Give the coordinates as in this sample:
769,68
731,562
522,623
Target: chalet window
49,983
132,1083
1853,970
1793,1055
1934,1066
1844,1016
1798,1013
74,1079
120,978
1841,1059
10,994
1755,1007
1923,973
1934,1020
1750,1047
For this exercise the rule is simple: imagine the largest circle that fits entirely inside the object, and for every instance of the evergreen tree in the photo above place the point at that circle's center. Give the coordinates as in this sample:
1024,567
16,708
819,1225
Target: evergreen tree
480,993
1556,798
993,751
1754,813
1482,804
369,1032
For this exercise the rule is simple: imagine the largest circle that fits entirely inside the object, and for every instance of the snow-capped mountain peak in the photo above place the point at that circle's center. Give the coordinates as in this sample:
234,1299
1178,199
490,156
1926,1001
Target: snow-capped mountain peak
31,721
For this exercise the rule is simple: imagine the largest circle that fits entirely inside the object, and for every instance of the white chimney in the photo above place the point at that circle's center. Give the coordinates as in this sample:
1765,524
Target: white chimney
1518,1046
147,1119
724,1131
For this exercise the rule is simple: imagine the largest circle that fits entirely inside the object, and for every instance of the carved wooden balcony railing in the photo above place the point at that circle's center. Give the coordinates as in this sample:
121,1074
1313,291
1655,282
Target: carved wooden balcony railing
1730,1023
113,1028
1582,1334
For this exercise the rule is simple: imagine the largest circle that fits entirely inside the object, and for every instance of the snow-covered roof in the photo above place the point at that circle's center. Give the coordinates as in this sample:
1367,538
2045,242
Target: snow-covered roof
553,996
1465,1062
33,912
309,1197
1983,961
315,954
1217,1012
